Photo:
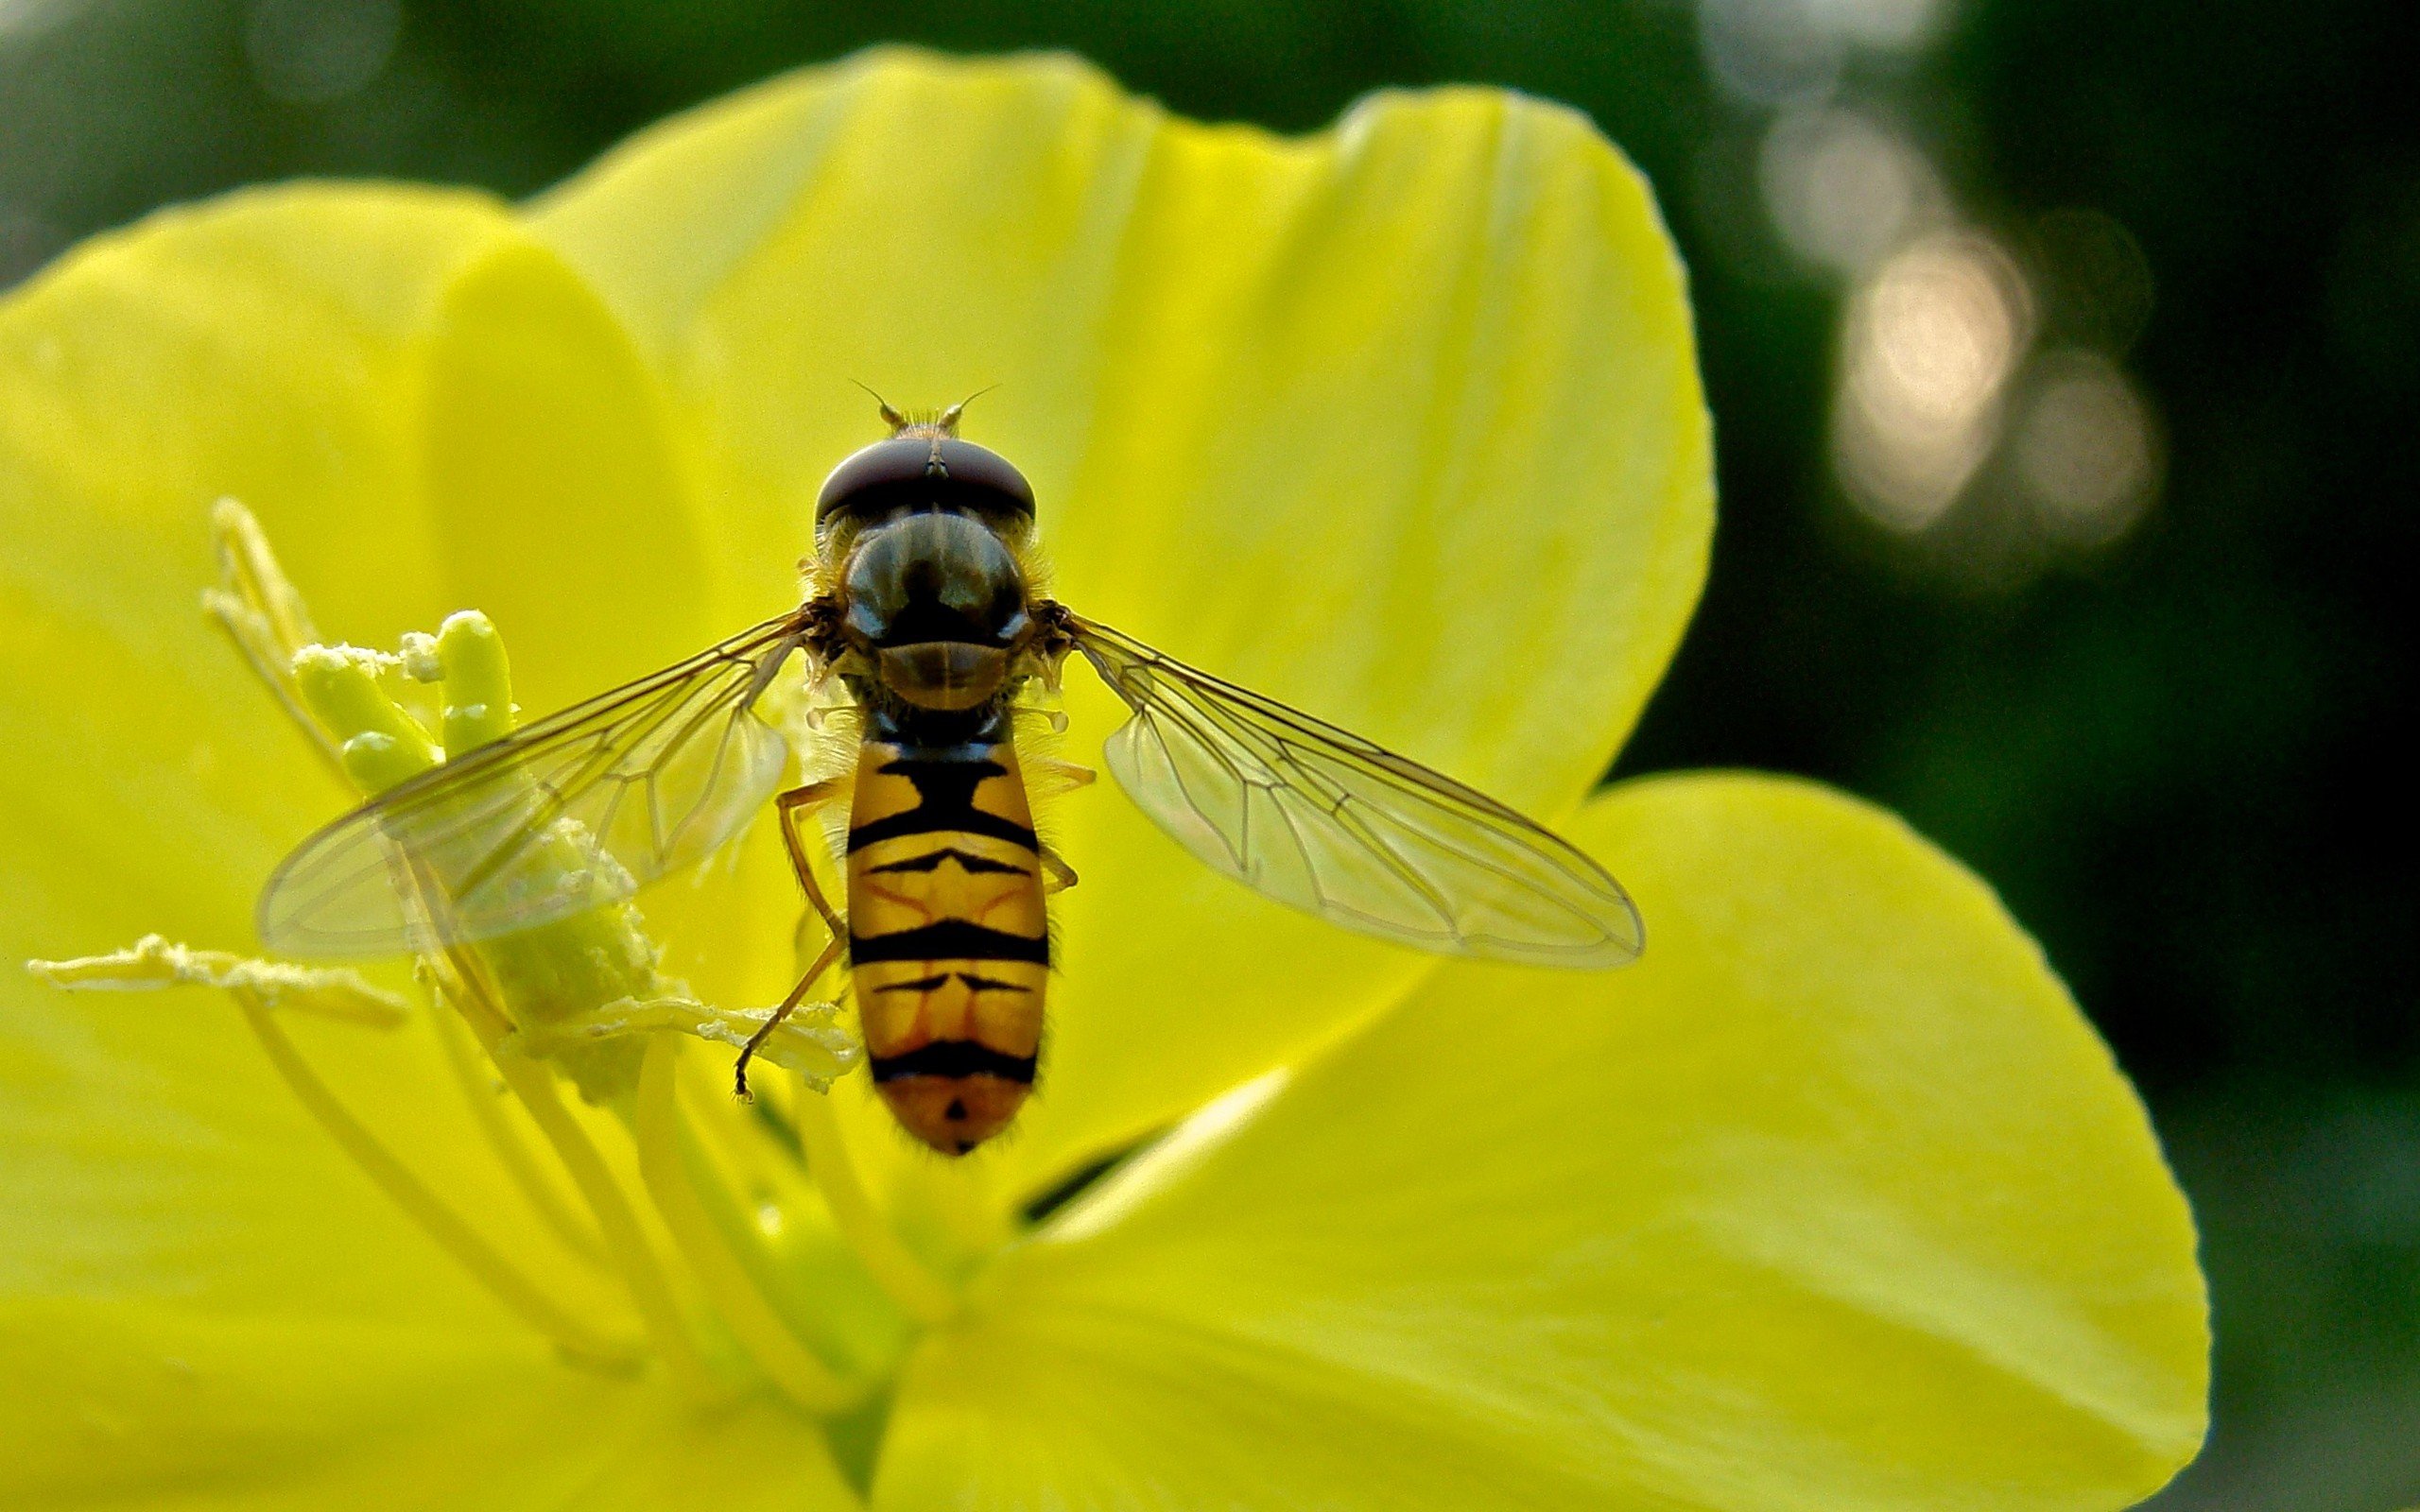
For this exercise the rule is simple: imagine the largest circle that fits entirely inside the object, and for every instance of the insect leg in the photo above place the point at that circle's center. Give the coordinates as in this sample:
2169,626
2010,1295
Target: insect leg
790,804
1063,876
1048,777
798,994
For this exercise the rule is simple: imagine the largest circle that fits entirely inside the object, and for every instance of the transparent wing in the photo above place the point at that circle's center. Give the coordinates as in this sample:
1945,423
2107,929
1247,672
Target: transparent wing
580,809
1323,820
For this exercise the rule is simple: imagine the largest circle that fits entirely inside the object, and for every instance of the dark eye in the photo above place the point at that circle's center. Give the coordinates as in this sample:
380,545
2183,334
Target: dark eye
914,473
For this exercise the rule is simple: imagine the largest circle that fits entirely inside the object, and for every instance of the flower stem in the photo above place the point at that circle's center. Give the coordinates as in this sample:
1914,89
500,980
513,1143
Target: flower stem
898,1272
760,1330
440,1222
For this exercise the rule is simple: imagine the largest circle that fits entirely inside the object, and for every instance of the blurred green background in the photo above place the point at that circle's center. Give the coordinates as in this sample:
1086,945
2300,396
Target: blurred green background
2066,362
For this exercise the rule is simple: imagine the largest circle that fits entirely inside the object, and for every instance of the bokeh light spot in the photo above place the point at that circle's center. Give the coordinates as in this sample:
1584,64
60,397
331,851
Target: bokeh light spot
2085,446
2095,274
1844,190
309,52
1930,341
1893,25
1768,52
1771,52
26,17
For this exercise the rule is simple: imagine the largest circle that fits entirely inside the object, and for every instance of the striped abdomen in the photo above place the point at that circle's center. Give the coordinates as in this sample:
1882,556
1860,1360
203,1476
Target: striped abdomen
948,943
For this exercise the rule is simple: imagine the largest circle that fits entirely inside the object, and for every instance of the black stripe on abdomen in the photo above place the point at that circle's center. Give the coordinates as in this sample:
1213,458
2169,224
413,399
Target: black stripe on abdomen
953,1058
944,800
950,939
922,821
968,862
971,981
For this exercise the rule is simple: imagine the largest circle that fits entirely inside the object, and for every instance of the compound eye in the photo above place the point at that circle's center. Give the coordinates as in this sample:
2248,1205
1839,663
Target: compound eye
918,473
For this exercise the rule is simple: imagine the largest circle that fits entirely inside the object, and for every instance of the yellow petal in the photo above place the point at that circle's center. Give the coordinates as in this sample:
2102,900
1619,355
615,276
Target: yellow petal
259,348
147,1406
1833,1202
1400,422
161,1181
559,497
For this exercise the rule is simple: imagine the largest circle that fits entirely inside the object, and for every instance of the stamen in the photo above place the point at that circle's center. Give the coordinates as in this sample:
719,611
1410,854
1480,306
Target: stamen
746,1160
755,1190
381,718
478,682
154,962
380,745
626,1244
878,1247
423,1207
418,657
262,613
541,975
487,1109
760,1330
757,1145
261,988
810,1041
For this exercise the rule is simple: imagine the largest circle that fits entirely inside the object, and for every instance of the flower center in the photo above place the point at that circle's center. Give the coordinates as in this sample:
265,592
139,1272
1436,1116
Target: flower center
746,1244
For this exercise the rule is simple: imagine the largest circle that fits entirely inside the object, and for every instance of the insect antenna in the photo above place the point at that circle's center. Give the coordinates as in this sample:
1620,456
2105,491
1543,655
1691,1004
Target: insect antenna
948,420
891,417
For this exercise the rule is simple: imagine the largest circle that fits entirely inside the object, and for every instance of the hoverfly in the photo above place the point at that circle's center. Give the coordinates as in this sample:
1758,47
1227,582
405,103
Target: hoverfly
920,607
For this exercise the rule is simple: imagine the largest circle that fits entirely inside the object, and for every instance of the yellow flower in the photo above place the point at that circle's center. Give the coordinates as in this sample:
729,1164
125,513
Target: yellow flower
1833,1201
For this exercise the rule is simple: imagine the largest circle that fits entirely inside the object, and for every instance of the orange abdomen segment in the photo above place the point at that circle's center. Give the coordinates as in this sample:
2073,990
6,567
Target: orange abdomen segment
949,947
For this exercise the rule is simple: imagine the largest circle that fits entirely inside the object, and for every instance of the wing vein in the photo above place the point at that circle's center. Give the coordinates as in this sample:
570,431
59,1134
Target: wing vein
461,852
1377,842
